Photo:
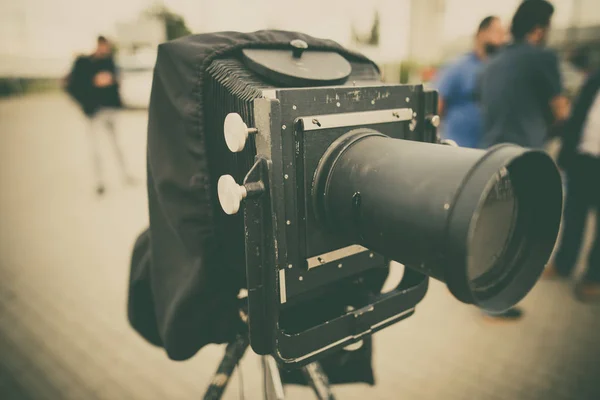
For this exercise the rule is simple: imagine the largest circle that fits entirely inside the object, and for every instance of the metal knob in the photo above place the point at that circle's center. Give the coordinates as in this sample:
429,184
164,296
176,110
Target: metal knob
230,194
449,142
236,132
298,47
434,120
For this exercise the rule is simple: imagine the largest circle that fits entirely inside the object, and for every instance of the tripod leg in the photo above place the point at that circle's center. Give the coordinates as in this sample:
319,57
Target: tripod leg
233,354
94,131
273,388
318,381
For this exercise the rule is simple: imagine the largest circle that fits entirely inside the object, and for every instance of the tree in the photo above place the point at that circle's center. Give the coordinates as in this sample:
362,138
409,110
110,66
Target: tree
372,39
174,23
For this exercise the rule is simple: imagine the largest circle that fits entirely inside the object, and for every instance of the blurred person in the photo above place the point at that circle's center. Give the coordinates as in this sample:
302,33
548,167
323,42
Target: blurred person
93,84
458,103
580,160
457,84
520,90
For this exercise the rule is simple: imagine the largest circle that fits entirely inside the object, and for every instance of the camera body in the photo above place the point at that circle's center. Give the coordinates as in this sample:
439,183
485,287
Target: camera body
322,173
304,123
340,179
292,254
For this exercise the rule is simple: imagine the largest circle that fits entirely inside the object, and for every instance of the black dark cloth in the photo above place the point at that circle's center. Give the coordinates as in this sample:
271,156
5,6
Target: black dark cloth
572,131
583,186
81,86
184,282
516,87
583,195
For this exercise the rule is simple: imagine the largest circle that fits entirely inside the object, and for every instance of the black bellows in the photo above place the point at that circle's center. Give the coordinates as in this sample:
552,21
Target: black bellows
229,87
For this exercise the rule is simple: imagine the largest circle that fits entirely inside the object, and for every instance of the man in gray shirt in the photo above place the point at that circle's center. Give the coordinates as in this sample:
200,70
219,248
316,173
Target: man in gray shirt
520,88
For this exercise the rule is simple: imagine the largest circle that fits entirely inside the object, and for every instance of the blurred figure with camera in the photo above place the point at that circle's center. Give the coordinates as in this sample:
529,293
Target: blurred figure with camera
94,86
580,159
457,100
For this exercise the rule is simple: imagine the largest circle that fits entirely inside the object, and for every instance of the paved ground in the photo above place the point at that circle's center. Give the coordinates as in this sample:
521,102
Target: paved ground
64,257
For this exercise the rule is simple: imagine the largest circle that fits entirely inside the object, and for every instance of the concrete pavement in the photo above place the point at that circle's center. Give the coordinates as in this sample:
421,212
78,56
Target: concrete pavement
64,256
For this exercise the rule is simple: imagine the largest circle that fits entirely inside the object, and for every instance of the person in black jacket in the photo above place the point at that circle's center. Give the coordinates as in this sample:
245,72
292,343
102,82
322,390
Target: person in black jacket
580,159
94,86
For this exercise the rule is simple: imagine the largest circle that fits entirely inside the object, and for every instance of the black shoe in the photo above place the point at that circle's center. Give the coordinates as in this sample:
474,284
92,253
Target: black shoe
587,292
100,190
511,315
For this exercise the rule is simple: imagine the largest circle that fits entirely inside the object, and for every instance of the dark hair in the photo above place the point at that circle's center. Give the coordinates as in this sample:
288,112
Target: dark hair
486,22
102,39
530,15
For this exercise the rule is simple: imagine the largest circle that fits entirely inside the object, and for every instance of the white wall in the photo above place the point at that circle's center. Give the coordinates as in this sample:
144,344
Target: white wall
322,18
50,28
426,29
48,33
40,37
463,16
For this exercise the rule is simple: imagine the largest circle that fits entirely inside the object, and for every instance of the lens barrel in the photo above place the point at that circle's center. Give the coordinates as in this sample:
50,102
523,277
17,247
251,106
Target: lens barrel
483,222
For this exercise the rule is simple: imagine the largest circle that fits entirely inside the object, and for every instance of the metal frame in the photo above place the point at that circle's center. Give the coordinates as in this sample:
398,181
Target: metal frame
335,255
274,240
318,122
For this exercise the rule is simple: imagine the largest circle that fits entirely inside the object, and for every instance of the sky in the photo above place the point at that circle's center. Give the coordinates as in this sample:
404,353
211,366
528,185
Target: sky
52,29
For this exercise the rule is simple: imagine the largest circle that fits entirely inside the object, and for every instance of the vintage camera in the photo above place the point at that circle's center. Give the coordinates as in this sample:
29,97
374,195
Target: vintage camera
332,173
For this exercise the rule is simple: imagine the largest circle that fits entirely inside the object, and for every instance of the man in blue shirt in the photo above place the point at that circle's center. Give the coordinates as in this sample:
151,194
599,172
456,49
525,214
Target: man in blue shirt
457,86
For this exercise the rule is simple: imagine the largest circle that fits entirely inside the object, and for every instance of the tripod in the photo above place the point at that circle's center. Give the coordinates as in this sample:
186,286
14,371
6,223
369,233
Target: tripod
273,387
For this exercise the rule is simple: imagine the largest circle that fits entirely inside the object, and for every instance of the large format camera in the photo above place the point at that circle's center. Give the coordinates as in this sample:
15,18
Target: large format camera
281,164
326,174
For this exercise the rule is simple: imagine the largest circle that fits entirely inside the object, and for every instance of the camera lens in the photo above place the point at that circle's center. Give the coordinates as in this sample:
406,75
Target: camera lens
492,230
483,222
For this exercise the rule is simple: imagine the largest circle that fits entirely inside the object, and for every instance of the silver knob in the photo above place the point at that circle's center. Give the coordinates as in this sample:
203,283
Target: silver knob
298,47
434,120
236,132
449,142
230,194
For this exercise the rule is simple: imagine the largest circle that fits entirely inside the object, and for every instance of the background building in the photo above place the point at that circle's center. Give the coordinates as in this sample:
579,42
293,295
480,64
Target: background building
40,38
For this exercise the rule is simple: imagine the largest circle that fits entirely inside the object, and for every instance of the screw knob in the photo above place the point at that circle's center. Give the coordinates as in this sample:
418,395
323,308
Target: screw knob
236,132
449,142
298,47
230,194
434,120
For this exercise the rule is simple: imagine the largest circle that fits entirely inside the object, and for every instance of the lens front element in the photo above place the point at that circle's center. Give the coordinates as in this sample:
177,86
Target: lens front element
492,230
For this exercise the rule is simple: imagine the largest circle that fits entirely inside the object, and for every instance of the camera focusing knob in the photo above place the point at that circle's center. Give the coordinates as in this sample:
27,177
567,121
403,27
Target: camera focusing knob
231,194
434,120
236,132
